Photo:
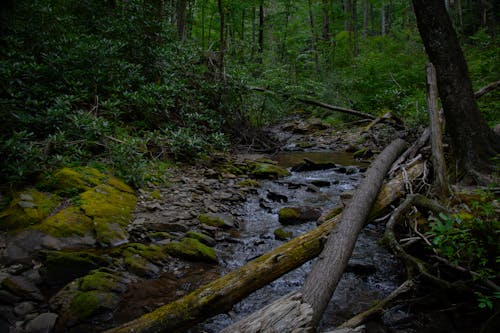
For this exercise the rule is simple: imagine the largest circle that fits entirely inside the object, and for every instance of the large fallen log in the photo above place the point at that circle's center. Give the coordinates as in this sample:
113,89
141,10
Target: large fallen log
301,311
220,295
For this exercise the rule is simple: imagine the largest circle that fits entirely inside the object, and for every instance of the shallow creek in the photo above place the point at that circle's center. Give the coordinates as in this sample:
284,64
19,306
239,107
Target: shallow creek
372,271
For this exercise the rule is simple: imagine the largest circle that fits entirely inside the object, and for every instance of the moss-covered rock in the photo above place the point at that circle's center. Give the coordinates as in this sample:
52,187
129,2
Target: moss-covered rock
64,266
249,183
205,239
110,210
295,215
27,208
102,281
88,303
281,234
191,249
140,259
217,220
69,222
267,170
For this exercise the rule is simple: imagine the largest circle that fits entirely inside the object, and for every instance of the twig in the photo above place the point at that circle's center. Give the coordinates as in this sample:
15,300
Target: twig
362,317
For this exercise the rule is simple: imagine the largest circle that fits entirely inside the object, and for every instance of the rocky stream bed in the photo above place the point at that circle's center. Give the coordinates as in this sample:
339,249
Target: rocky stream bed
87,257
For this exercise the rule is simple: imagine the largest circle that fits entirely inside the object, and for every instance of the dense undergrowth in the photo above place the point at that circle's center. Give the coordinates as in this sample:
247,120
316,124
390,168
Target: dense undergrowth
83,84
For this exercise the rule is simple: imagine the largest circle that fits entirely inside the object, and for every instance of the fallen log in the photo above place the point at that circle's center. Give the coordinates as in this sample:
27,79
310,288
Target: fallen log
220,295
319,104
305,308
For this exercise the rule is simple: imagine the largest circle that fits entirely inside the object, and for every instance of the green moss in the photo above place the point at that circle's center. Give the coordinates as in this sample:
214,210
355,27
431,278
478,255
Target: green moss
69,180
67,223
155,194
211,220
289,213
207,240
27,208
281,234
111,210
334,212
87,303
249,183
266,170
62,265
191,249
158,235
152,253
119,185
101,281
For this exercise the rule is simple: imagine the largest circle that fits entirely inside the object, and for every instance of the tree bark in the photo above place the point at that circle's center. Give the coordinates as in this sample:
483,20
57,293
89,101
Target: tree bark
438,161
314,36
220,295
473,142
301,311
260,48
222,39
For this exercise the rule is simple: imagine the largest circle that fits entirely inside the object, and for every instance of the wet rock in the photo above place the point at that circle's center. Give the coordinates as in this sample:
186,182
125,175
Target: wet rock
296,215
217,220
167,227
22,287
320,182
140,259
281,234
23,308
191,249
43,323
8,298
276,197
311,165
267,170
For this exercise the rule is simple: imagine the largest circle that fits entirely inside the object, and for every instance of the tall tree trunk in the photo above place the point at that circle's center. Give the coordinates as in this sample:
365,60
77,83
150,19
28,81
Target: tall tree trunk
181,19
366,17
222,39
347,15
473,142
203,24
355,26
260,48
314,37
325,27
383,23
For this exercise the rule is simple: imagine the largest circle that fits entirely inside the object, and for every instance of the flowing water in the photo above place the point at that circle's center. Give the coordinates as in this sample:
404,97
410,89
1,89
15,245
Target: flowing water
371,273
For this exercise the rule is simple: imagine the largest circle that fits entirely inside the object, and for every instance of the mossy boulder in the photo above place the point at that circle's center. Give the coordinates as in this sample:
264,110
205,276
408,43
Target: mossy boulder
281,234
296,215
27,208
92,294
70,181
64,266
205,239
267,170
191,249
110,210
217,220
69,222
140,259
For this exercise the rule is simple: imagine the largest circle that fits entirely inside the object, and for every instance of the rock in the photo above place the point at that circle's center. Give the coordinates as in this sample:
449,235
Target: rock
296,215
167,227
249,183
191,249
311,165
24,308
22,287
27,208
320,182
205,239
281,234
8,298
217,220
43,323
110,210
62,267
267,170
140,259
276,197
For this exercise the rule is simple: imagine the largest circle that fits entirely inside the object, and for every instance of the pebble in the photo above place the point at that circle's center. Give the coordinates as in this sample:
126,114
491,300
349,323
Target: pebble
44,323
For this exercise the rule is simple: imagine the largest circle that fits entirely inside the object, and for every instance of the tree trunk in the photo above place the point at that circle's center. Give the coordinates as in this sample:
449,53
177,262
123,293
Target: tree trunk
355,26
301,311
366,17
181,18
220,295
473,142
438,162
325,30
260,48
222,39
347,15
314,37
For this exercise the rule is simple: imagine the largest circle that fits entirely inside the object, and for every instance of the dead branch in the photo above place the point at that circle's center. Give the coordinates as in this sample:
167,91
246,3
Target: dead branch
486,89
